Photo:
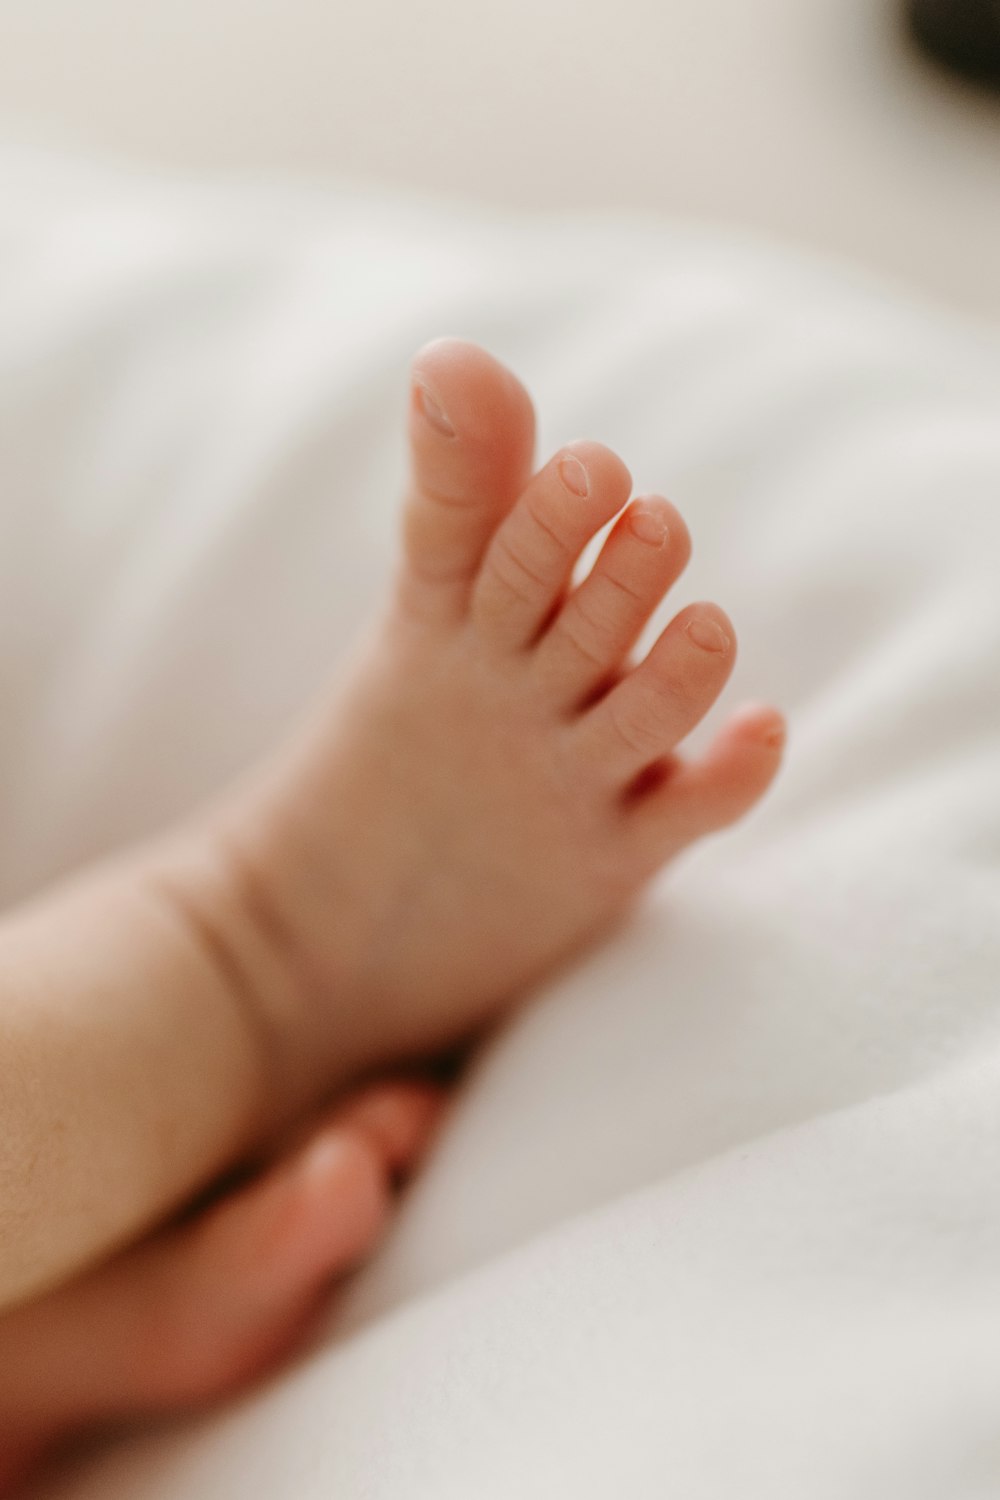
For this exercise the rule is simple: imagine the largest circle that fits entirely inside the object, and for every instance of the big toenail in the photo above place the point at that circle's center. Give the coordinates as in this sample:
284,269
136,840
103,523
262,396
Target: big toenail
648,526
573,475
707,634
433,411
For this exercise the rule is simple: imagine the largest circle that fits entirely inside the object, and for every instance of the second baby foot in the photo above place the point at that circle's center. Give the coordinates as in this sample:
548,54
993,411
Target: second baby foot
492,782
208,1304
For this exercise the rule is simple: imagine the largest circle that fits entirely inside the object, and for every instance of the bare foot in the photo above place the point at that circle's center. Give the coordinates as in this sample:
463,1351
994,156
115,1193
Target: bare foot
211,1304
491,783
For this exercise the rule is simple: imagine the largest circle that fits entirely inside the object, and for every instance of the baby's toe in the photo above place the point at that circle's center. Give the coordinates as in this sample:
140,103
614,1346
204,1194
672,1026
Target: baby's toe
472,433
645,553
710,793
530,560
655,706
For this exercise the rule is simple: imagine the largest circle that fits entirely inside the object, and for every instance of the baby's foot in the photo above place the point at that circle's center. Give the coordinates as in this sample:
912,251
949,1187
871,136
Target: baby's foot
493,782
207,1306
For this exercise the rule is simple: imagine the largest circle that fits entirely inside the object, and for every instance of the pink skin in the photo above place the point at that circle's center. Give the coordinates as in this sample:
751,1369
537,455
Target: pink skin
210,1304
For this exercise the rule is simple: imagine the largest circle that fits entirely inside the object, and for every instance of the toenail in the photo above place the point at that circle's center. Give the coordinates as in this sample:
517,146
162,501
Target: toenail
648,526
707,634
573,475
433,411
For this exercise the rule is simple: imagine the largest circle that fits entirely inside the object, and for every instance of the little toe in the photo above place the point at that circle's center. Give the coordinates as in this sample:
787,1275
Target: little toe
587,641
712,792
530,560
472,433
651,710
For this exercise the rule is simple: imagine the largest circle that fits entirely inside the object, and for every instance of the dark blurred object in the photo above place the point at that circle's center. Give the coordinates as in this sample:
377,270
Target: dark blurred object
962,35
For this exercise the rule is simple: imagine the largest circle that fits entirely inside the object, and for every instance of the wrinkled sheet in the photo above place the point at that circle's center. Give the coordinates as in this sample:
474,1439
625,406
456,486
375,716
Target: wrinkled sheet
719,1213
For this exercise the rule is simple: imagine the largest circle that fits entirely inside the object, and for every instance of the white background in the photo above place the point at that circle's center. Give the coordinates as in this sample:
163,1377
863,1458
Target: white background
804,117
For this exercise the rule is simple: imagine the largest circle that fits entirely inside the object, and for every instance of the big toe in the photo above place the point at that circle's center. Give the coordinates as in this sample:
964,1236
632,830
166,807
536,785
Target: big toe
472,434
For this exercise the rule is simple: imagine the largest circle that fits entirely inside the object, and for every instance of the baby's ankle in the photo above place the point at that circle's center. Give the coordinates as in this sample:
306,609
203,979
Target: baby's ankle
220,885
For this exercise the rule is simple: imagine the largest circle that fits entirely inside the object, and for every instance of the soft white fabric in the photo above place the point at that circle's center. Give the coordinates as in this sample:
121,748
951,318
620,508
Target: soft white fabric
719,1215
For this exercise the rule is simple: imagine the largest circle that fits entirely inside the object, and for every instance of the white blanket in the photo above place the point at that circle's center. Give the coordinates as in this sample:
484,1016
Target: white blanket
718,1216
